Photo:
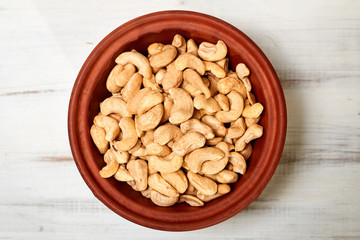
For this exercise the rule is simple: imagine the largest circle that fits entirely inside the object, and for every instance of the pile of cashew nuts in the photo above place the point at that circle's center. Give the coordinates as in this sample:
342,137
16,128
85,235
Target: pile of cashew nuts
179,123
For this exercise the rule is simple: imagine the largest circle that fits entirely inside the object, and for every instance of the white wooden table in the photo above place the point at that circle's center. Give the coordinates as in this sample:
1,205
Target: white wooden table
314,47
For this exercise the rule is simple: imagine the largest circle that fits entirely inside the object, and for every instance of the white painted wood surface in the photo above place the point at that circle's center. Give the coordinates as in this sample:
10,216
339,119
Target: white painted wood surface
314,47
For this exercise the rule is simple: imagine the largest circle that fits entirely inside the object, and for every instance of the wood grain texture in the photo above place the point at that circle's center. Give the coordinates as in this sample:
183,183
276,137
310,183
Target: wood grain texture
314,47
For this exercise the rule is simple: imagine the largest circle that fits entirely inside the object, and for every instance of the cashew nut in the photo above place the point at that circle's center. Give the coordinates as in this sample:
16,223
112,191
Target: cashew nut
242,70
132,87
155,48
193,91
213,84
217,126
115,116
211,176
247,103
197,114
139,171
232,74
192,47
236,128
191,200
135,148
222,189
236,108
98,137
159,184
251,121
185,165
114,104
150,83
180,43
188,60
224,63
132,184
177,179
253,111
162,200
223,101
188,142
246,153
212,167
183,108
129,138
214,69
206,81
168,104
202,184
214,141
146,193
152,148
166,133
197,157
151,118
168,164
133,104
226,176
210,105
159,76
151,169
170,144
247,83
137,59
227,84
163,58
212,52
229,167
123,174
251,97
238,162
139,152
121,157
228,140
109,124
197,126
138,130
124,76
253,132
194,79
156,149
150,100
191,190
204,112
111,85
172,78
111,165
147,138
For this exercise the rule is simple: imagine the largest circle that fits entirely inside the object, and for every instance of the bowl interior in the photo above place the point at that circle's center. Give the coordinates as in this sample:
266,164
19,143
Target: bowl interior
90,91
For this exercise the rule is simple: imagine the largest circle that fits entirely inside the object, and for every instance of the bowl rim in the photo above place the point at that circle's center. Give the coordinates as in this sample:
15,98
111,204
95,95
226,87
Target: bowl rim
154,223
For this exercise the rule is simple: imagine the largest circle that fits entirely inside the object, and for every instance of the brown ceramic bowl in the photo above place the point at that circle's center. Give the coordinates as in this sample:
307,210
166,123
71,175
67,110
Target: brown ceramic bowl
89,90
